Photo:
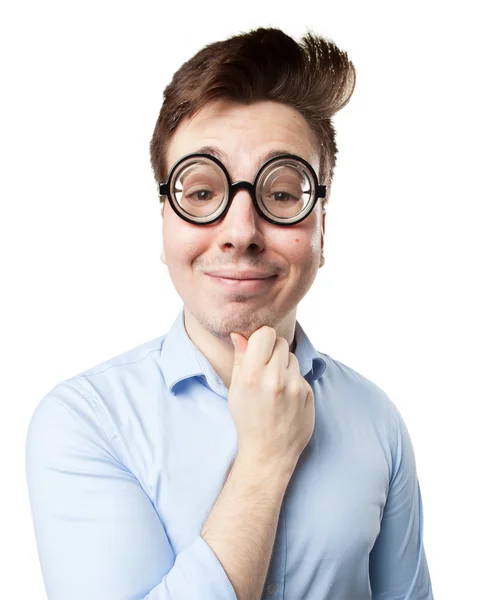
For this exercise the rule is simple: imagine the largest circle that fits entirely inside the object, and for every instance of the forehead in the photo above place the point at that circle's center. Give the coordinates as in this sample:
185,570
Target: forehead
244,136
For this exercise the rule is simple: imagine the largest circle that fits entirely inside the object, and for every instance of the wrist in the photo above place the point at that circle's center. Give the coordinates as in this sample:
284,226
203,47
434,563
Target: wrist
263,472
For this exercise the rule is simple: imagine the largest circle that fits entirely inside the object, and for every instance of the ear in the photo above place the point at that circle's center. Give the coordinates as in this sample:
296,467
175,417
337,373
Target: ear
323,229
162,255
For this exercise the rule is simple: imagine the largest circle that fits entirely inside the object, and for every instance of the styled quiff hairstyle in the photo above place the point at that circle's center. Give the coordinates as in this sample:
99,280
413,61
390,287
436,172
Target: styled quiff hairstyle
313,76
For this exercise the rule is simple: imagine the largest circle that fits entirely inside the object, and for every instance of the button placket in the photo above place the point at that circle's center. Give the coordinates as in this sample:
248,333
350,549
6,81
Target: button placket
271,589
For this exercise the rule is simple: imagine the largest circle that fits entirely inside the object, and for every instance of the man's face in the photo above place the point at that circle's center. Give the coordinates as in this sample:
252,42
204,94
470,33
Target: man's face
242,239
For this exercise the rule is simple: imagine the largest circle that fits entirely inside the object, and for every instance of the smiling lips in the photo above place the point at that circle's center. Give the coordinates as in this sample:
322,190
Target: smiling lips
246,274
247,281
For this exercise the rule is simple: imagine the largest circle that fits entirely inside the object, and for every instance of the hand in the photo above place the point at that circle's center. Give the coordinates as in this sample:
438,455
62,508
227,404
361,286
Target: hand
271,403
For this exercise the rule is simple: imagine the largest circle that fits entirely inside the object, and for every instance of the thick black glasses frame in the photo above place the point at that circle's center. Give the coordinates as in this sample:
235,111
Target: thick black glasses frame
318,192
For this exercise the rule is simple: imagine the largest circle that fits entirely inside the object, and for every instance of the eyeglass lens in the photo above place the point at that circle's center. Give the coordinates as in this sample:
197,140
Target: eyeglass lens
200,188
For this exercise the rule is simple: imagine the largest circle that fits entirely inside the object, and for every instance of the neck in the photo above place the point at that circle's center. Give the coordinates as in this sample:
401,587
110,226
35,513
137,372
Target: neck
214,343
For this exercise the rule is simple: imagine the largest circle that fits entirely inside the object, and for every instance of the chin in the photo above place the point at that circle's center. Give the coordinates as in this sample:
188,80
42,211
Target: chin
236,318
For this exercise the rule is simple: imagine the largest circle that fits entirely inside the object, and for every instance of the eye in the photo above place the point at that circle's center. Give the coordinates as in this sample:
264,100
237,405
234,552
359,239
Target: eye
283,196
202,195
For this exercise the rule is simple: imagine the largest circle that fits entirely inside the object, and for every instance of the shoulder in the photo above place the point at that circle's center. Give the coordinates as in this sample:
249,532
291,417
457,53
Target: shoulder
137,357
357,394
114,380
100,404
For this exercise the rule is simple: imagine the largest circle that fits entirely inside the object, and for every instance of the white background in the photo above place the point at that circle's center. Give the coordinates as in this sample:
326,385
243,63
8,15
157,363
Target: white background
80,226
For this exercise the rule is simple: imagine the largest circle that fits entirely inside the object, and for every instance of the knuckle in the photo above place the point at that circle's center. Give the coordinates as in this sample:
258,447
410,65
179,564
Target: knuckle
296,388
275,383
263,330
250,380
293,361
267,328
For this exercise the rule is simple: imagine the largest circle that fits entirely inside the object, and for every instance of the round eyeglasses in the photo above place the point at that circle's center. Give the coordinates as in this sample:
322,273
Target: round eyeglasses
284,191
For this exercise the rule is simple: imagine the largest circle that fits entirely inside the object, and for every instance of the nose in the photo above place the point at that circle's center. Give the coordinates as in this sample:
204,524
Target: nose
240,228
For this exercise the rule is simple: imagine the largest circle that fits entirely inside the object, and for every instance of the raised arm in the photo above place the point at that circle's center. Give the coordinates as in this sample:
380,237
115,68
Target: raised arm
398,567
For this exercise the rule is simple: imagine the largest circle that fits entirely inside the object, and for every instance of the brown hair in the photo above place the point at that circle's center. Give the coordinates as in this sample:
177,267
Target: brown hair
313,76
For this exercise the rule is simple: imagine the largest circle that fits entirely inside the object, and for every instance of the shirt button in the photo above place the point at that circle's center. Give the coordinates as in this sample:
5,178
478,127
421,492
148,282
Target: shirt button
271,589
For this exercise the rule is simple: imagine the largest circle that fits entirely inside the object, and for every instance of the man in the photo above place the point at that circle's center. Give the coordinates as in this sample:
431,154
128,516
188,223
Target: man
229,458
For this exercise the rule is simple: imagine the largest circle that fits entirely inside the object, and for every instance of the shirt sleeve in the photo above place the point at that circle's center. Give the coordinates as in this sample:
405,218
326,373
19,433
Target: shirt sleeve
98,535
398,567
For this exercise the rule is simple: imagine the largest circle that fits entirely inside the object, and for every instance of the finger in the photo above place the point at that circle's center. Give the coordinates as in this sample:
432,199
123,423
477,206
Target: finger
293,363
280,356
260,348
240,345
309,393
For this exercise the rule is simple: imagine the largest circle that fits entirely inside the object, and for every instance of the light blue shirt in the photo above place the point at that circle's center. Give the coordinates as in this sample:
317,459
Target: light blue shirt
125,461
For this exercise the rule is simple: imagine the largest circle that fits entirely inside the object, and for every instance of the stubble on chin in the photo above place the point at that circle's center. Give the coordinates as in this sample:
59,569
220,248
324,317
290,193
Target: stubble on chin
241,319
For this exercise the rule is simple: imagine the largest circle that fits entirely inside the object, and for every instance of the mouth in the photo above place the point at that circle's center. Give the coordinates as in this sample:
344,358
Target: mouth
245,285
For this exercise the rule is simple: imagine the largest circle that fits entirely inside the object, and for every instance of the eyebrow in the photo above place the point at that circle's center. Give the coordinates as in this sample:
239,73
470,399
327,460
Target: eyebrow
220,155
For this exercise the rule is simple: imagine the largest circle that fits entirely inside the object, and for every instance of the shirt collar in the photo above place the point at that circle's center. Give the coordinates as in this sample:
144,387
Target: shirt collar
180,359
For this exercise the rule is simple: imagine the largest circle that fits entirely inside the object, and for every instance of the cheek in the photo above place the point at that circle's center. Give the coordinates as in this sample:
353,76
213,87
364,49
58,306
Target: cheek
182,242
303,247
